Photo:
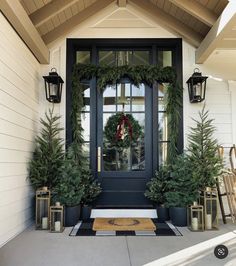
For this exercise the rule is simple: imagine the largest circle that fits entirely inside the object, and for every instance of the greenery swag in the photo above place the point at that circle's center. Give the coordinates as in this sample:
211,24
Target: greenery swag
106,75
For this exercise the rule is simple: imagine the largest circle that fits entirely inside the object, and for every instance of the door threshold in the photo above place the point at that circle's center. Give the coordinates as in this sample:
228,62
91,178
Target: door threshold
97,207
123,213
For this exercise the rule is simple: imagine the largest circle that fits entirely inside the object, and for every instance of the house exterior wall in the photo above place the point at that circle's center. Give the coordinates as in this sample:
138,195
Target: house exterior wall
19,112
219,99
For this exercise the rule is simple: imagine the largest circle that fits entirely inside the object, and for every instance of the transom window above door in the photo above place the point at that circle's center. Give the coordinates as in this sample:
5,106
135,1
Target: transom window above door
120,58
126,57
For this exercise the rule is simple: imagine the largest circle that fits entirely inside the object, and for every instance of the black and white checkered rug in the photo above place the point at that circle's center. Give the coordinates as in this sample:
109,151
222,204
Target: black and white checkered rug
163,229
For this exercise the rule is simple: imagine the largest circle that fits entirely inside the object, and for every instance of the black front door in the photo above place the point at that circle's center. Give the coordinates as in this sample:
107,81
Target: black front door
123,173
124,170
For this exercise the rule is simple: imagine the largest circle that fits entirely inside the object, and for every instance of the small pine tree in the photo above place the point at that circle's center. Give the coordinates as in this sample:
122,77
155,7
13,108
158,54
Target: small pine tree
158,186
182,189
90,187
69,190
203,152
48,156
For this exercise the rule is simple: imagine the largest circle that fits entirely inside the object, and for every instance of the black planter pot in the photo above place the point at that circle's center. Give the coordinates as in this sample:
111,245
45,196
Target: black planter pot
178,216
86,212
72,215
162,213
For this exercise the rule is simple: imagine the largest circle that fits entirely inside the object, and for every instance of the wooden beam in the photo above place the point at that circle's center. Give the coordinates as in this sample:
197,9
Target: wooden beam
50,10
121,3
20,21
167,21
218,32
196,10
74,21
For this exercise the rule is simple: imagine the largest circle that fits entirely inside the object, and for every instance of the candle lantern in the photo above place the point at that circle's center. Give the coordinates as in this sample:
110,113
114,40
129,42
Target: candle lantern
209,200
43,197
57,218
195,217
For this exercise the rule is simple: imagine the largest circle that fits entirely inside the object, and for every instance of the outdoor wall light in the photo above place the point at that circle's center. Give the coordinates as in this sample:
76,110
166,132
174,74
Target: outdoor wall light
197,87
53,86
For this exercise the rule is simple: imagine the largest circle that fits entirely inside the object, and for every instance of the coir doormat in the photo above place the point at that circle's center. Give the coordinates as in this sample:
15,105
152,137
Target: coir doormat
85,228
123,224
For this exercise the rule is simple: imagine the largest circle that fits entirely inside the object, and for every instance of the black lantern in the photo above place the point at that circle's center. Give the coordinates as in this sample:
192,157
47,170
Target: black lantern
53,86
197,87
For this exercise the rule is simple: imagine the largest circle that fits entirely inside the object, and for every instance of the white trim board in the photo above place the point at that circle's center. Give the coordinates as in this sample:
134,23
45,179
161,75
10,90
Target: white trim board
125,213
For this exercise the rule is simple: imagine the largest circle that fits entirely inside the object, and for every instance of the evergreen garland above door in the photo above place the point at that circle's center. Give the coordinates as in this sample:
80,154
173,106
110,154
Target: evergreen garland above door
151,75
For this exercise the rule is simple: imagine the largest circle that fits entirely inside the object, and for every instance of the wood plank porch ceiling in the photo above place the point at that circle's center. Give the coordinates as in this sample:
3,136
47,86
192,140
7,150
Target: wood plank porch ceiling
190,19
49,16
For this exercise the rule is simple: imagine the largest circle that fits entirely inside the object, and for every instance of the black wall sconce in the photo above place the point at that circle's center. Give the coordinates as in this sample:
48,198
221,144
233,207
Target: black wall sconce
197,87
53,86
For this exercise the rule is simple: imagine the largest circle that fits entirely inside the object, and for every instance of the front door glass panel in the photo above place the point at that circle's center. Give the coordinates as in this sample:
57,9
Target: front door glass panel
128,100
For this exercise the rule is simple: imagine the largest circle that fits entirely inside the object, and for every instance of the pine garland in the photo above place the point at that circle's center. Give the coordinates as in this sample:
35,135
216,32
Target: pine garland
106,75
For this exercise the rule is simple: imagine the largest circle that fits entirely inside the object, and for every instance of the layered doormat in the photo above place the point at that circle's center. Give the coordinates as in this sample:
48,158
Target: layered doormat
123,224
124,227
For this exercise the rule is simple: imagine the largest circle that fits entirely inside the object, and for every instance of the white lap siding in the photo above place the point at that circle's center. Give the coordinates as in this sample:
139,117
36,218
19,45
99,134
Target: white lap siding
19,106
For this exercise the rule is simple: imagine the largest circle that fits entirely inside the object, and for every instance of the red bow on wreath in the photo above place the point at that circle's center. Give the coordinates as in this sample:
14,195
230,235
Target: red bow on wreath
120,133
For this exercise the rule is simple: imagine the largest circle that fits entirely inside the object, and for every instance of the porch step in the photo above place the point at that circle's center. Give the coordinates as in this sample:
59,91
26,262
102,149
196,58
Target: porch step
123,213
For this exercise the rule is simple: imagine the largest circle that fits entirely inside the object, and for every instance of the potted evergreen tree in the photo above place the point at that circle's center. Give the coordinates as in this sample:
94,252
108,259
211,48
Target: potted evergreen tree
45,165
91,190
69,190
156,189
183,190
202,151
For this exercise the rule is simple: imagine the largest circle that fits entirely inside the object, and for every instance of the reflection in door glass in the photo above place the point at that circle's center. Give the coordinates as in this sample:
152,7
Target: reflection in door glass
86,98
126,57
164,58
123,97
162,152
138,103
124,121
85,122
116,159
109,99
83,57
85,118
162,124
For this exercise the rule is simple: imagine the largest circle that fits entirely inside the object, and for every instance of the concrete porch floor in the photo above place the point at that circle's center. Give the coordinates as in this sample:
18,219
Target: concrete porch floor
41,248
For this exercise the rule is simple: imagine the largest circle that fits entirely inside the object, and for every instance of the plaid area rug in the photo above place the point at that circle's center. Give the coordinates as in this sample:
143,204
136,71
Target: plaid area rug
163,229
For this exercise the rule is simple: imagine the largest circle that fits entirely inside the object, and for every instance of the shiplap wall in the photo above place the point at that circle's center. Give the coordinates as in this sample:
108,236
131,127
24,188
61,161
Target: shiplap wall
19,112
219,101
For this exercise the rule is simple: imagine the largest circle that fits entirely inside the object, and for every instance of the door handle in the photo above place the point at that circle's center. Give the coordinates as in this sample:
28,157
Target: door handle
99,159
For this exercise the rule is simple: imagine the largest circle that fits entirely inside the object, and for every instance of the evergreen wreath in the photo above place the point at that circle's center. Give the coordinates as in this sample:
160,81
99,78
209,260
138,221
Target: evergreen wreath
110,75
133,129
